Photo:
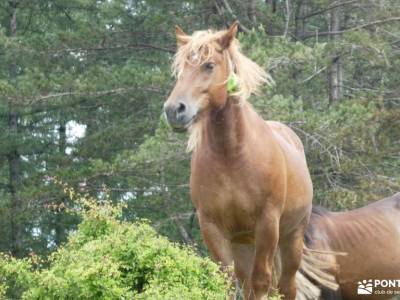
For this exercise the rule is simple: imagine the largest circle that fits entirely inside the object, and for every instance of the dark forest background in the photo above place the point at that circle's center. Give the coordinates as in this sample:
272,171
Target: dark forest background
82,84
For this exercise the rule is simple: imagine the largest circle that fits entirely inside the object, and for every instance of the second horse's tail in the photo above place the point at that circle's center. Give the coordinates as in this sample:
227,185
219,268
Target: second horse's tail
317,269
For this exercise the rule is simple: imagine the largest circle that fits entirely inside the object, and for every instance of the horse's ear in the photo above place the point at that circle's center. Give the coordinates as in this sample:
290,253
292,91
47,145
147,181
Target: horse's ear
229,35
181,37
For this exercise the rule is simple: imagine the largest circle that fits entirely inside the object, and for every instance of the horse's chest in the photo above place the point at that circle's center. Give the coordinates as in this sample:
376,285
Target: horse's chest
229,200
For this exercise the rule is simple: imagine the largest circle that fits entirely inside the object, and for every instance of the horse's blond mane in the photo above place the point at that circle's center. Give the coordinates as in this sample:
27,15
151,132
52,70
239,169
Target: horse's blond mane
201,46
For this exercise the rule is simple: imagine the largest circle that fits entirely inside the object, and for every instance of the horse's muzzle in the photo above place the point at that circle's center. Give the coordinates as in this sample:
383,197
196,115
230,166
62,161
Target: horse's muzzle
178,116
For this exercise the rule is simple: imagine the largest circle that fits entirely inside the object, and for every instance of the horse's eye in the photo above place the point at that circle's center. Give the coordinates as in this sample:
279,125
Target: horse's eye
209,66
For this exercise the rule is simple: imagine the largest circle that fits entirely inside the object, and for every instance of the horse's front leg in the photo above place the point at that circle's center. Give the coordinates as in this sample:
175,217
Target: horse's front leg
219,247
266,241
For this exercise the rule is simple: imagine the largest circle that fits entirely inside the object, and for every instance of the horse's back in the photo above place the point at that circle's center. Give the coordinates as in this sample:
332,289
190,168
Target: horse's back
284,131
391,203
383,214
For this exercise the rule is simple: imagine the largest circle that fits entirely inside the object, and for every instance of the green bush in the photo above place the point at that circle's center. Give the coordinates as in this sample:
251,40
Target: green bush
16,276
111,259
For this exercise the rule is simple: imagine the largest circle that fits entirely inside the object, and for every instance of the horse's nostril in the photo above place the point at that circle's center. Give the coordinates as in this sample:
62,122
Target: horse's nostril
181,108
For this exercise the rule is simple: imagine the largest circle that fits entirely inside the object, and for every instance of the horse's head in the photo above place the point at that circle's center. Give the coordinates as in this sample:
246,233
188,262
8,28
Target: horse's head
202,67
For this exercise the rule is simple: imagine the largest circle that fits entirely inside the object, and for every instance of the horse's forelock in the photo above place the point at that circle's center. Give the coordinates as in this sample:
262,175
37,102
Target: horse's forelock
196,51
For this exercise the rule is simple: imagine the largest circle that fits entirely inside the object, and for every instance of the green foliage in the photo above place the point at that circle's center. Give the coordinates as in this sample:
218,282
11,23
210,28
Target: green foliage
111,259
16,276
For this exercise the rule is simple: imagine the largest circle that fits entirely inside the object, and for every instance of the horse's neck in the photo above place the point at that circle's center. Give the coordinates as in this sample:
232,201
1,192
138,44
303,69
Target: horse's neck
226,129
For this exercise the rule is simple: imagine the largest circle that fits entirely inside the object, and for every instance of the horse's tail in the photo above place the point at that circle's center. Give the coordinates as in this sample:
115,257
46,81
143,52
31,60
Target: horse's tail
306,290
317,270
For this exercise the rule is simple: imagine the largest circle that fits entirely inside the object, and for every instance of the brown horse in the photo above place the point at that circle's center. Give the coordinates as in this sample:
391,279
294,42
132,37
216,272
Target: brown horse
370,236
249,178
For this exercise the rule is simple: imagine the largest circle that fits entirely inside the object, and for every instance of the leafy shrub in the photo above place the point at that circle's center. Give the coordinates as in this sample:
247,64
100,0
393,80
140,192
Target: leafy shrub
16,275
111,259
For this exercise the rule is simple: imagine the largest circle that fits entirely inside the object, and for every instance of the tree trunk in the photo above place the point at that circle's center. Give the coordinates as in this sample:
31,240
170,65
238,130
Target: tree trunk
300,21
288,12
273,5
252,11
58,218
13,156
14,182
335,72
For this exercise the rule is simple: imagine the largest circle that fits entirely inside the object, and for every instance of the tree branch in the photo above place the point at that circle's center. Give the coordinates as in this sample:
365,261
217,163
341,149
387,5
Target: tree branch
327,33
328,8
233,15
129,46
167,203
88,94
